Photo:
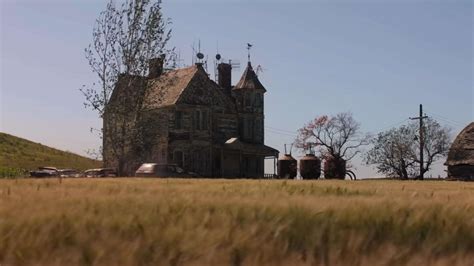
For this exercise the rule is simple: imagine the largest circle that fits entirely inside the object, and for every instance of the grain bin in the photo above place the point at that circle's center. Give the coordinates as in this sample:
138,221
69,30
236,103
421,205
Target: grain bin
287,165
310,167
334,168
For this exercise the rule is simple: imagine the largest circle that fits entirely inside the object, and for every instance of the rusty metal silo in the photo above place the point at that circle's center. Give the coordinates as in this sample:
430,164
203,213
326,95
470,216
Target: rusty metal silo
310,167
334,168
287,166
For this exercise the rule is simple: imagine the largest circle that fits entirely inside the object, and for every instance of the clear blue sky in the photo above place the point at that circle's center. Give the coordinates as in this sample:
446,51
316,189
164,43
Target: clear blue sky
377,59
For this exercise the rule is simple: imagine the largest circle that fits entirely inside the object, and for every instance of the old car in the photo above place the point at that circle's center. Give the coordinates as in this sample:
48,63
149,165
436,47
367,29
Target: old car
160,170
100,172
69,173
45,171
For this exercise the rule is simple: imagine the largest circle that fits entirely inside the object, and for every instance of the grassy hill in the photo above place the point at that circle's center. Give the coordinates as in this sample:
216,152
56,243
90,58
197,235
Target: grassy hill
18,155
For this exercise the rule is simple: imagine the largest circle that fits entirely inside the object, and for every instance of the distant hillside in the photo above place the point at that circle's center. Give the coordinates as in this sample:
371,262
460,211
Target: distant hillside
18,153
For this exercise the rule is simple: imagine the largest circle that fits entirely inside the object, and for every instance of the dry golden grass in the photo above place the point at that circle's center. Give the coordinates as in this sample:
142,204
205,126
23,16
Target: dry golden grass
235,222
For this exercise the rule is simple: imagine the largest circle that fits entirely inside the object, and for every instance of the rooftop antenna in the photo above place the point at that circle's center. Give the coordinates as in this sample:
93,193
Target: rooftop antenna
205,64
199,55
235,64
259,69
217,62
179,60
193,52
248,50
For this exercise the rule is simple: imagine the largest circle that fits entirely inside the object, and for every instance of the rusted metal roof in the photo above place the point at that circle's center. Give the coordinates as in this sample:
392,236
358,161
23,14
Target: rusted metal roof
249,81
462,149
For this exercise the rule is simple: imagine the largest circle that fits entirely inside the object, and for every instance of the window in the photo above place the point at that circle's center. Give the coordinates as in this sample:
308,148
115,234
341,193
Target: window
178,158
197,124
258,100
258,130
178,120
204,121
248,99
201,120
248,128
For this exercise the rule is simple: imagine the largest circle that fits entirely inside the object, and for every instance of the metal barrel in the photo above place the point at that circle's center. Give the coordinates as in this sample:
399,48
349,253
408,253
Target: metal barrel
310,167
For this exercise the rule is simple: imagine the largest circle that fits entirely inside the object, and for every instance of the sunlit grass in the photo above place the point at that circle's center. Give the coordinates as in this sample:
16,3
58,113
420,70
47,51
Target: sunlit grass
234,222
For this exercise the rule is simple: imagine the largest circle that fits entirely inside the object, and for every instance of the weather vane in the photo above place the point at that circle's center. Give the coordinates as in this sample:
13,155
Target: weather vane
248,49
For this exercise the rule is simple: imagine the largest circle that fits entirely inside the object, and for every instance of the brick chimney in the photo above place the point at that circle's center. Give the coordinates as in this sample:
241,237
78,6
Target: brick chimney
225,76
155,67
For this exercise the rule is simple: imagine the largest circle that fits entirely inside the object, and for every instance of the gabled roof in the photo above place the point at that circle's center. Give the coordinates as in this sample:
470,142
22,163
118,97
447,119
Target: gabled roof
166,89
249,80
191,86
462,149
127,94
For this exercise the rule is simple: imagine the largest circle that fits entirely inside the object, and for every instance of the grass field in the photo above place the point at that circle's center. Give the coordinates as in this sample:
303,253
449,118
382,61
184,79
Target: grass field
235,222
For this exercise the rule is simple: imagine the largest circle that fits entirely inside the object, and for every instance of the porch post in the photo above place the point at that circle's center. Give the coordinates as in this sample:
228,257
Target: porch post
240,163
222,162
274,165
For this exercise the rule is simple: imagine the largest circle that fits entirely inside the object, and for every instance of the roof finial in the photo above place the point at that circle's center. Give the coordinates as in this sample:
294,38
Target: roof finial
248,49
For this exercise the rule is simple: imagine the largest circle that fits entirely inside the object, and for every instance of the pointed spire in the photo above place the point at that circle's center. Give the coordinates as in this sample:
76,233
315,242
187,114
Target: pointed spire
249,80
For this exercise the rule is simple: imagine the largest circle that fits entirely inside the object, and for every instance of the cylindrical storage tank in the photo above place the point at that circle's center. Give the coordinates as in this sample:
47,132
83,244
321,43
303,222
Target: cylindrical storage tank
334,168
310,167
287,166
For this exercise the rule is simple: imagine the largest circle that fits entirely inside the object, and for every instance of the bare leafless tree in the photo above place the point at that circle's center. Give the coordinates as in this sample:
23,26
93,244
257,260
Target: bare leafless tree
337,136
125,38
395,152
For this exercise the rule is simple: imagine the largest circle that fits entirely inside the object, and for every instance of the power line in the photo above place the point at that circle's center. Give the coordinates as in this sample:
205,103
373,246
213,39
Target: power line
280,133
394,125
446,119
281,130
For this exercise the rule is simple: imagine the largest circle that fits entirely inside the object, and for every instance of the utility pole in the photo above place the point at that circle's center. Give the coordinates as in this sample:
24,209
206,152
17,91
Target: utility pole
422,139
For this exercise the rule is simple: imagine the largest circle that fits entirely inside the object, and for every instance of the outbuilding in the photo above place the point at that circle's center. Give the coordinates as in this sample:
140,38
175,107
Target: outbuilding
460,160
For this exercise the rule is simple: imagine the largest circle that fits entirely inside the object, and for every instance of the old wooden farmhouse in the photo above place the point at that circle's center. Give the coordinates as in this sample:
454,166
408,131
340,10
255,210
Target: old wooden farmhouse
183,117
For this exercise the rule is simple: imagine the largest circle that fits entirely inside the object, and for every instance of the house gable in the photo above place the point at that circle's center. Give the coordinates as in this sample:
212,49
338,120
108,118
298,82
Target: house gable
166,89
202,91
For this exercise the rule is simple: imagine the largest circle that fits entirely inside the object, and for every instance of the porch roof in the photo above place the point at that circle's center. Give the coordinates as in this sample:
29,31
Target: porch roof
250,148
